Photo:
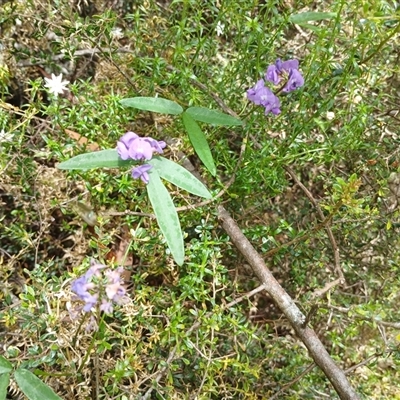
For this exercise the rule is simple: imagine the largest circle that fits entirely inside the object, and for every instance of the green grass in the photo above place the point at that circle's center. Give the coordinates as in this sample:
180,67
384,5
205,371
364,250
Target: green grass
175,339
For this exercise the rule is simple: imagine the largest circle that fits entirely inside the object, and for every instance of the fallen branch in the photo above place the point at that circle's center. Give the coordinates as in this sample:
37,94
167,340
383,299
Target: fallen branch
285,303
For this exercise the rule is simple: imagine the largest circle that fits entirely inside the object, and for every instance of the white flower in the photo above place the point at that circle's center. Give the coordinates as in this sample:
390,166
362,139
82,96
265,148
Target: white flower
56,85
330,115
5,136
220,28
117,33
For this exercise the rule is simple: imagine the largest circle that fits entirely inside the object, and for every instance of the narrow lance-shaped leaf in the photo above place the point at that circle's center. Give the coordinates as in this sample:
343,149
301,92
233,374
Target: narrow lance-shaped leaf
4,382
212,116
155,104
167,217
305,17
179,176
5,365
33,387
199,142
98,159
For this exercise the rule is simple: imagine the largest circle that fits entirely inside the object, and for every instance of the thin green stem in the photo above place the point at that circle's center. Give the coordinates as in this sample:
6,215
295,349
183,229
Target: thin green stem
381,44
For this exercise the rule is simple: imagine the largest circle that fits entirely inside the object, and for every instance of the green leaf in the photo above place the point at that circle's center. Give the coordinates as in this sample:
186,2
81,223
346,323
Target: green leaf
305,17
155,104
313,28
179,176
5,365
97,159
166,215
33,387
199,142
212,116
4,382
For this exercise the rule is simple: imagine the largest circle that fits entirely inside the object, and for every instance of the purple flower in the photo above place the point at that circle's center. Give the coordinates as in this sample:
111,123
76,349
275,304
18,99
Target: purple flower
140,149
114,289
141,172
133,147
275,71
106,306
89,291
272,105
90,301
94,269
295,81
81,287
261,95
272,74
124,144
156,145
290,69
286,65
256,93
83,284
114,276
136,148
103,292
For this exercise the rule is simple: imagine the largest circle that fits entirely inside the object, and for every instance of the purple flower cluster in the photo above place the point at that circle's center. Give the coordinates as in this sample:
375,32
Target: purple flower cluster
100,286
133,147
262,95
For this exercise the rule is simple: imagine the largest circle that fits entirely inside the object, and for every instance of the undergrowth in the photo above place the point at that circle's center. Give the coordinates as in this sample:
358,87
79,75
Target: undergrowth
178,336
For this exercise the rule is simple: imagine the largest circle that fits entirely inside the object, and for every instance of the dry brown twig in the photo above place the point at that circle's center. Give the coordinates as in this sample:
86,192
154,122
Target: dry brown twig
328,286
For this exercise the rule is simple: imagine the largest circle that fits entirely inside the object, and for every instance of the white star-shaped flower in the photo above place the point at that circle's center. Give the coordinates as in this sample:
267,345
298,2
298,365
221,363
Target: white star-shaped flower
5,136
56,85
220,28
117,33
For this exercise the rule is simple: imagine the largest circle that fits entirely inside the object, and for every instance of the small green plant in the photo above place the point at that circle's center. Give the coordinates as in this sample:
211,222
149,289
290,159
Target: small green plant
132,149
